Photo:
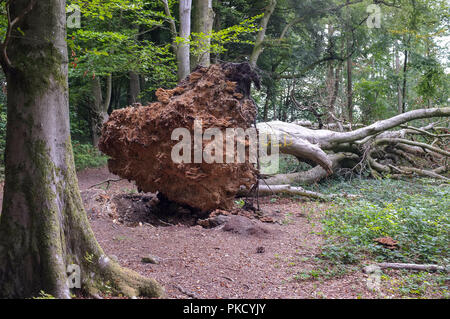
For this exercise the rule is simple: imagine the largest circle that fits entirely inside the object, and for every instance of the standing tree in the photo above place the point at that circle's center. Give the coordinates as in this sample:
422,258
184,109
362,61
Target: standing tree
202,26
259,43
183,54
99,110
43,226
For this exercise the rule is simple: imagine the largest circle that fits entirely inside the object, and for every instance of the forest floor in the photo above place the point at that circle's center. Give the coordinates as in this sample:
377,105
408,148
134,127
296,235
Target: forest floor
278,260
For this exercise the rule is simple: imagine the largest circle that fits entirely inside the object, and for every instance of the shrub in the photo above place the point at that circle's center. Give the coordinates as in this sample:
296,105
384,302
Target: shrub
87,156
419,221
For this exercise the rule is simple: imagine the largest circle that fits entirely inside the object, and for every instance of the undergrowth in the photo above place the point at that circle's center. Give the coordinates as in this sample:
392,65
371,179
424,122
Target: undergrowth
87,156
415,213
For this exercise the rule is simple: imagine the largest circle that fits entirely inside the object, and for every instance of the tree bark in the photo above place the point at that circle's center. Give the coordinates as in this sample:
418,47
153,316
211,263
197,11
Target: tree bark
99,110
203,24
413,267
349,69
259,48
173,27
399,87
183,54
43,226
267,103
405,69
134,88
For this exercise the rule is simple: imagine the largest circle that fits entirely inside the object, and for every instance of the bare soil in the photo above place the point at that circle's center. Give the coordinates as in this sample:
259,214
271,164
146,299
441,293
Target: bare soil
213,263
245,258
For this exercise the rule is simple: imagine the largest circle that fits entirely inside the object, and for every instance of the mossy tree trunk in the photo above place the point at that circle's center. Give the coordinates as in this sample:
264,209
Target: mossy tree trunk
99,110
43,225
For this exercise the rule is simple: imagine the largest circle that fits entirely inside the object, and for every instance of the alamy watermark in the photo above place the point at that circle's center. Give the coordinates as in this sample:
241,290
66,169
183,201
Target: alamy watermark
374,19
226,146
73,16
374,279
74,276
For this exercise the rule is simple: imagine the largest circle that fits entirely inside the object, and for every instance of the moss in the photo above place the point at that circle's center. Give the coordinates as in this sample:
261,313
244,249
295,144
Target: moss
72,241
36,66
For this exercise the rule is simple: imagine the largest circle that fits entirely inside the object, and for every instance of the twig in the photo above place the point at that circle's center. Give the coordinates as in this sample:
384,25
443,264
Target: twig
187,293
108,182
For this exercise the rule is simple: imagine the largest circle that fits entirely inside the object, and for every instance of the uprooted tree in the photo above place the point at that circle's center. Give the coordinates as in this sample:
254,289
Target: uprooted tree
374,147
140,144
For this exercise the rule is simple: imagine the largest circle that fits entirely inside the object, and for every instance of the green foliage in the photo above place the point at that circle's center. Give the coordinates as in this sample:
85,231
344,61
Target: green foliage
431,79
371,96
421,284
416,214
220,39
240,203
44,295
289,164
87,156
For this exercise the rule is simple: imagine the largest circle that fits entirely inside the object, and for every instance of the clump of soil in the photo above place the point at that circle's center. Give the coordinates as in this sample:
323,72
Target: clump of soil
138,139
245,226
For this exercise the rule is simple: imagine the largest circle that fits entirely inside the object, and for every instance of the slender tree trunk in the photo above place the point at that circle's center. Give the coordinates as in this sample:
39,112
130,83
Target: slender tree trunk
217,26
259,48
330,80
405,69
99,111
117,89
203,23
183,54
43,226
134,88
349,70
267,103
399,87
173,27
349,87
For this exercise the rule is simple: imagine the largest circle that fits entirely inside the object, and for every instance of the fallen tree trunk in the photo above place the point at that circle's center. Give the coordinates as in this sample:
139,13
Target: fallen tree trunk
269,190
328,149
412,267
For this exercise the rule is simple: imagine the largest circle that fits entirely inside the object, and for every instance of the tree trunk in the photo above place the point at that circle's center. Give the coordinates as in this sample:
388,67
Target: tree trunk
349,69
267,103
134,88
173,27
259,48
217,26
183,54
203,24
309,145
405,68
399,87
349,87
43,226
99,111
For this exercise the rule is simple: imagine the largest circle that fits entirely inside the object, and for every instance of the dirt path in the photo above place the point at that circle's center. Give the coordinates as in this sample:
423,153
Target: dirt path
212,263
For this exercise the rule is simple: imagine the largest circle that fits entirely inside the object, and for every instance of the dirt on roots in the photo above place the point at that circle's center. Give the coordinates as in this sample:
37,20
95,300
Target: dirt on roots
139,139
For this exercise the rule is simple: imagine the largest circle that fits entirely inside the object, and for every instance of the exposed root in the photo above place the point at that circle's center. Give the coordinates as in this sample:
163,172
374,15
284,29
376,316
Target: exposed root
110,278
